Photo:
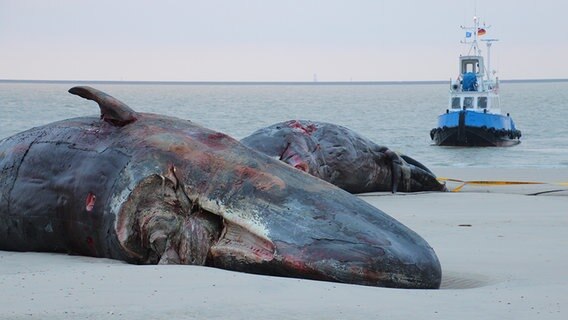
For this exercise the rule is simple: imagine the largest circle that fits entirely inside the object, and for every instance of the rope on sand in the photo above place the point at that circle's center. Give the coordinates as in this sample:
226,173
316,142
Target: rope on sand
494,183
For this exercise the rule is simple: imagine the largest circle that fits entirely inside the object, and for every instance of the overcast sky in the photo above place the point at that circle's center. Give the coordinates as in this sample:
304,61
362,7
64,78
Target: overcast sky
281,40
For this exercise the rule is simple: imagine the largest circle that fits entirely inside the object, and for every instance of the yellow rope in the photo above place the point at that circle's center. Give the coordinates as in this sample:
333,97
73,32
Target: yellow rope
494,183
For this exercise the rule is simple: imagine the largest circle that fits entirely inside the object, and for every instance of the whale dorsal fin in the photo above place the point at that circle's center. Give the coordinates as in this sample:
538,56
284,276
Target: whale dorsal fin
113,111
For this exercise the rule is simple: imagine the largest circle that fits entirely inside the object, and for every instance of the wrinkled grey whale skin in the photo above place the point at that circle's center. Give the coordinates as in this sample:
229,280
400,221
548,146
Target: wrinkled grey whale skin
148,189
342,157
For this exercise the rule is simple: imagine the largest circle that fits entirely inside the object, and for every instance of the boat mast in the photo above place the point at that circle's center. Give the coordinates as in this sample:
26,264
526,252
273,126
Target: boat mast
472,31
476,36
489,42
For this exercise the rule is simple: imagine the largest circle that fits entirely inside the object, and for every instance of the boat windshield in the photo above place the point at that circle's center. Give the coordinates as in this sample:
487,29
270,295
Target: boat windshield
456,103
482,102
468,102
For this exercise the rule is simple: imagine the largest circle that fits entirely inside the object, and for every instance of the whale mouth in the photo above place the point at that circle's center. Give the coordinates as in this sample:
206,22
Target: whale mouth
239,244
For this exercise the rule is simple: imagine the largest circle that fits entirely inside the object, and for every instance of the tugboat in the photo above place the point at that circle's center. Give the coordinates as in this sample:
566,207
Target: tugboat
474,117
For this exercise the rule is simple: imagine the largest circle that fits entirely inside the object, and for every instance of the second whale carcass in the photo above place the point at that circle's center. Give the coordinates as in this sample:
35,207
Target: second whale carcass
342,157
151,189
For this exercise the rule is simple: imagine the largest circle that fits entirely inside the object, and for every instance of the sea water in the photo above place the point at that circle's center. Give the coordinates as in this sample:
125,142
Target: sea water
399,116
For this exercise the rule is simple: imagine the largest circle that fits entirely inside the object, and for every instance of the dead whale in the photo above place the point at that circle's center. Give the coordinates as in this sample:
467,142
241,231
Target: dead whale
151,189
342,157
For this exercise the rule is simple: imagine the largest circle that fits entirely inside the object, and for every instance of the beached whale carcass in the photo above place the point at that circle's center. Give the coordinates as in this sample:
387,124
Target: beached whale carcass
343,157
150,189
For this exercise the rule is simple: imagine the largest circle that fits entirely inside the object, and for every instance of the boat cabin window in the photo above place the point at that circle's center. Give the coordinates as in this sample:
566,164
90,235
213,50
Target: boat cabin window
482,102
468,102
470,66
456,103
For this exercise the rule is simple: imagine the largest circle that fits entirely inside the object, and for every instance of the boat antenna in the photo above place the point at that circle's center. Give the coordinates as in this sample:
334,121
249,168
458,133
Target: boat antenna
475,7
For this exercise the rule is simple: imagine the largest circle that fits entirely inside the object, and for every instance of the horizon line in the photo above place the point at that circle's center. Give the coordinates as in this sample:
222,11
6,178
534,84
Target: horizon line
173,82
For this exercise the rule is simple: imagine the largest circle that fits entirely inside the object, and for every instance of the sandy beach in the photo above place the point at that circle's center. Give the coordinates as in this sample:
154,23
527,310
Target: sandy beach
502,248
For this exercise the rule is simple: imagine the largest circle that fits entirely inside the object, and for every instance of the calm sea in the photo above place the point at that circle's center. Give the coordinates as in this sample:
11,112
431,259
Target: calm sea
399,116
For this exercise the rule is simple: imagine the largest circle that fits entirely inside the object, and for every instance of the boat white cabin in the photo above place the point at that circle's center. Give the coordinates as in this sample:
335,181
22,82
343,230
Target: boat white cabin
474,90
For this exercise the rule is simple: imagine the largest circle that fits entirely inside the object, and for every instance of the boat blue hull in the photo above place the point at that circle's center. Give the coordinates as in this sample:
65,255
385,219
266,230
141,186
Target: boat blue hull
476,129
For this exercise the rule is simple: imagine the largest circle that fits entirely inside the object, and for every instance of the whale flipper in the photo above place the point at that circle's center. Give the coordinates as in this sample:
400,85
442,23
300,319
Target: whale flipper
113,110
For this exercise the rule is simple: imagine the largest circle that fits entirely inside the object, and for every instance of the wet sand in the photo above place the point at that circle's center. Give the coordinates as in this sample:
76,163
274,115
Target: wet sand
503,250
